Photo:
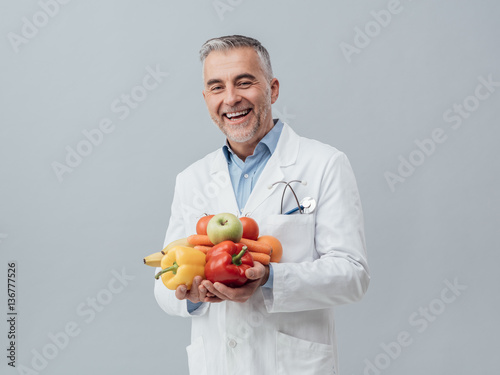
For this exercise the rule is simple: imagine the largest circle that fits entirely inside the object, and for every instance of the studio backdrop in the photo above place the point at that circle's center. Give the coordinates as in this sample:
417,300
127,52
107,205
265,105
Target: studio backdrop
101,107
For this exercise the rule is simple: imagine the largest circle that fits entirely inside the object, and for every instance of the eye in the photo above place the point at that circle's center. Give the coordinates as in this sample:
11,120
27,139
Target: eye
245,83
216,88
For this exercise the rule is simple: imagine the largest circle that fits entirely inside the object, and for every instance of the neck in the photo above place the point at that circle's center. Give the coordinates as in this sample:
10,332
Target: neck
245,149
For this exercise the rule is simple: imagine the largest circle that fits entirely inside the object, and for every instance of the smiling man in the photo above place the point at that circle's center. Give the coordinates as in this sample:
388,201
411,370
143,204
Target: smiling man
239,93
282,320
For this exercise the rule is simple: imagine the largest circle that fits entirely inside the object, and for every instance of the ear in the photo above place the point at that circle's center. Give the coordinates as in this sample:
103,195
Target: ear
203,93
275,90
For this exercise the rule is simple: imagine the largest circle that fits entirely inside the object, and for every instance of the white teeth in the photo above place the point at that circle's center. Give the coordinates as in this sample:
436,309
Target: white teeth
234,114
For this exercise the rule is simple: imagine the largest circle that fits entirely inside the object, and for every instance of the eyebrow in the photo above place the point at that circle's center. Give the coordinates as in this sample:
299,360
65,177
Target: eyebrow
238,77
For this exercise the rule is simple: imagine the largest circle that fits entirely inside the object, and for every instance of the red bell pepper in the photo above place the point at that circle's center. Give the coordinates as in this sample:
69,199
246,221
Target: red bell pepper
227,263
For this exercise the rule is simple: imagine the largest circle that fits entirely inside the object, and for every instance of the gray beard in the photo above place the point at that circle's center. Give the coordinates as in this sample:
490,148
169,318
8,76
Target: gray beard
230,135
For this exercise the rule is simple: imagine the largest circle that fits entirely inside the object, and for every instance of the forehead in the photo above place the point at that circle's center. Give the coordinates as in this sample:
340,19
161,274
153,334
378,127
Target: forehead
226,65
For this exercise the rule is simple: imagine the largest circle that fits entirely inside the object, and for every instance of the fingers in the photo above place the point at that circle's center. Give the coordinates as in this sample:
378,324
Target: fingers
202,290
180,292
258,271
212,293
223,291
240,294
193,294
206,291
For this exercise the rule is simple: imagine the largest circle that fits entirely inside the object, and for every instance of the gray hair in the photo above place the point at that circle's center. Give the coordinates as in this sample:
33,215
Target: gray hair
225,43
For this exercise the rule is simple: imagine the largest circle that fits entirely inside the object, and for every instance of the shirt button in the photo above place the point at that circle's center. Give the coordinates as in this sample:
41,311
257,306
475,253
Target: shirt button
245,175
232,343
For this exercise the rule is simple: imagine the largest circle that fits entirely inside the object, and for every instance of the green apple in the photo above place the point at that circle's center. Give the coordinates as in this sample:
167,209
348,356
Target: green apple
224,227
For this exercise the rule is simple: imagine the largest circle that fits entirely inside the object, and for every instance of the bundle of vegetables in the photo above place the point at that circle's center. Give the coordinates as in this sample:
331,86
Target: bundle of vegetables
223,247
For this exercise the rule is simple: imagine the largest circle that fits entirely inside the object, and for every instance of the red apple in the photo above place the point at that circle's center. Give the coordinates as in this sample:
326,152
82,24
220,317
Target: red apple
201,225
250,228
224,227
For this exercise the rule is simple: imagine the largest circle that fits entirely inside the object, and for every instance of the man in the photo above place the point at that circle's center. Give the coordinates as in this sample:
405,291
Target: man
282,321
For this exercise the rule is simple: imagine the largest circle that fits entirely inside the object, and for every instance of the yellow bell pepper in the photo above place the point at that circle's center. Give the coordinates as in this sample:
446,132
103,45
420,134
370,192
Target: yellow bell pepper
180,266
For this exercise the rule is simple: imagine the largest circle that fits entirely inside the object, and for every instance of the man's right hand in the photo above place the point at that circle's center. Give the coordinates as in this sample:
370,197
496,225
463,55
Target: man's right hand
195,294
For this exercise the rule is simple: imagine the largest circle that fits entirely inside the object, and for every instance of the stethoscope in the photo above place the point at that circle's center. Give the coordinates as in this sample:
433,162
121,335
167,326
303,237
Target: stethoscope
306,206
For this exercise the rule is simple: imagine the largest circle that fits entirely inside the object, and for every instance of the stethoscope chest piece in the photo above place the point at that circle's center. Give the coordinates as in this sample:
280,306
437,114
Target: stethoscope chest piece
309,204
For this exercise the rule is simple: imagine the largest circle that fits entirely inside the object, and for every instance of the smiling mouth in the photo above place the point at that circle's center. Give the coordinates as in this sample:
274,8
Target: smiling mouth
235,116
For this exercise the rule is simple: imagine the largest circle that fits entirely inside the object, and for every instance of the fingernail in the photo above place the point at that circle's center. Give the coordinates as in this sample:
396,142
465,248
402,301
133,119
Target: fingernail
251,274
203,290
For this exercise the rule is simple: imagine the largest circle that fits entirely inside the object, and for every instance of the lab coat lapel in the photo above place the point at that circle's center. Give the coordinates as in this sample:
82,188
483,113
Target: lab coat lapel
219,172
284,156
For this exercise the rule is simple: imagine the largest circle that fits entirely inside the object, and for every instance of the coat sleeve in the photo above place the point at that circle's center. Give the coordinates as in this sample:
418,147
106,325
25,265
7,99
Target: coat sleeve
176,229
340,275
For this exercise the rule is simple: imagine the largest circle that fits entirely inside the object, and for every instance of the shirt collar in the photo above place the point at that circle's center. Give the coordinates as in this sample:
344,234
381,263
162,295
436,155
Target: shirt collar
270,140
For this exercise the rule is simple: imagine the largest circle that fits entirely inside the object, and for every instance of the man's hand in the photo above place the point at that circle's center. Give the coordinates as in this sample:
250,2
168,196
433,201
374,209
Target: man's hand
218,292
193,294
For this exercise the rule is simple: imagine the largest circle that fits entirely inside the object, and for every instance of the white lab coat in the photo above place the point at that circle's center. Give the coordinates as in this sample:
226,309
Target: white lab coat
288,329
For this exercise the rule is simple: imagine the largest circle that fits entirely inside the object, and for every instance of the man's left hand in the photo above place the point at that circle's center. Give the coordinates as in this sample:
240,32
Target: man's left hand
218,292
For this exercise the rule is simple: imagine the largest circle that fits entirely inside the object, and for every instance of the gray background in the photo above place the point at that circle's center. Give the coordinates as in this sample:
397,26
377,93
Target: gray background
108,213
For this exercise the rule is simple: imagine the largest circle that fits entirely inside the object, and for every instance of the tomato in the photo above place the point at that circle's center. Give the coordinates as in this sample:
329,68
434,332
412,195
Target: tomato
201,225
250,228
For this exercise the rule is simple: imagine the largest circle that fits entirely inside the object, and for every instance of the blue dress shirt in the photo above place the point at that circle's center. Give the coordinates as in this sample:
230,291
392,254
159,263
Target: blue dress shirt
244,174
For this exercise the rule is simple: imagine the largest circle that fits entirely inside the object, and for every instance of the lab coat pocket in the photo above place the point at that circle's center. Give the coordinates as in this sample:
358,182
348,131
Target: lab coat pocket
296,234
297,356
196,357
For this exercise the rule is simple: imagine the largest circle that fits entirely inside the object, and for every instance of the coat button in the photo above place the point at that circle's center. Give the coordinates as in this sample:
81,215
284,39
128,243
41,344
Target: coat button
232,343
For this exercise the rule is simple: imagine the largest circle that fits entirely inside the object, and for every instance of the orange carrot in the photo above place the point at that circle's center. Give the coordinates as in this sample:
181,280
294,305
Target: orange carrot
260,257
202,248
199,239
257,247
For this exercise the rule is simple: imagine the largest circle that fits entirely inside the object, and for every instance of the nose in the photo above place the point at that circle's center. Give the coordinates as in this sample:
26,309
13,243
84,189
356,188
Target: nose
231,96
